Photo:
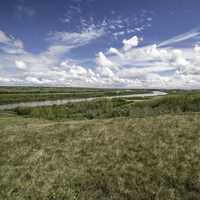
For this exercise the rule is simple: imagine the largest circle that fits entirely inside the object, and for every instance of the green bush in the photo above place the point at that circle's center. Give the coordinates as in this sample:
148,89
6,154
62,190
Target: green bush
106,108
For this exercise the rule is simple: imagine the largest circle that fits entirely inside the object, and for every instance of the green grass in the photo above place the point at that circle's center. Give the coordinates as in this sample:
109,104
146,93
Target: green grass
83,110
27,94
115,159
118,149
100,109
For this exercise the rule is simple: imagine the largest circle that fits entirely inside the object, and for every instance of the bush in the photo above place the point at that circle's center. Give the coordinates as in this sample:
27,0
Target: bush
106,108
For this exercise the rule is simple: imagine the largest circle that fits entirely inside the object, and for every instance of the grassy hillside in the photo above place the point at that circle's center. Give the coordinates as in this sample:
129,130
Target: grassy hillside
119,159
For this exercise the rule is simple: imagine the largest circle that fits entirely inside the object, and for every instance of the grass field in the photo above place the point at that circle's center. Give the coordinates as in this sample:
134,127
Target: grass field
124,158
117,149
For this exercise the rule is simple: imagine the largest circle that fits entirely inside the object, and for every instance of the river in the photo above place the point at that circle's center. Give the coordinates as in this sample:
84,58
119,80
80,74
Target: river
65,101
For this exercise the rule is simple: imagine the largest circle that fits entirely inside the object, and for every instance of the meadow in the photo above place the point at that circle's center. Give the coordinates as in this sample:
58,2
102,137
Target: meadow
108,149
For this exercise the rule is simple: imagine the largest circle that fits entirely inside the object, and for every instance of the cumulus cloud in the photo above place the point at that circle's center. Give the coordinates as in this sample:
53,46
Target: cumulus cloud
156,66
103,61
74,70
105,72
197,48
20,64
147,66
47,67
130,43
114,51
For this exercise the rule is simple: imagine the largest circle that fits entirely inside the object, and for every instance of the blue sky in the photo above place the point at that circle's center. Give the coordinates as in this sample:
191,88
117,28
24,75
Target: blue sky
100,43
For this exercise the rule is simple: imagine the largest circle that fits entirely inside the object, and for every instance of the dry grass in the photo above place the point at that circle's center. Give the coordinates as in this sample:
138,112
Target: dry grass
113,159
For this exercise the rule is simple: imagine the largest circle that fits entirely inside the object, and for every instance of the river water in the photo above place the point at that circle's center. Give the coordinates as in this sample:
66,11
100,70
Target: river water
65,101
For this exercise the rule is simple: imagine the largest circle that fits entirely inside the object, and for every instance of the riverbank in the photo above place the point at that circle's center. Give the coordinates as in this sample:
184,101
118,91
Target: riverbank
65,101
10,95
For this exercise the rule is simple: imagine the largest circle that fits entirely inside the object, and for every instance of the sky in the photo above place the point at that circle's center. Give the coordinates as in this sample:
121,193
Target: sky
100,43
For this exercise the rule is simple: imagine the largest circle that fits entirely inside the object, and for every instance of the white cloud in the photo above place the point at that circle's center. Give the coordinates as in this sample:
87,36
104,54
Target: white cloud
197,48
150,66
105,71
103,61
130,43
33,80
57,49
76,39
4,80
155,67
116,27
4,38
20,64
74,70
180,38
9,44
114,51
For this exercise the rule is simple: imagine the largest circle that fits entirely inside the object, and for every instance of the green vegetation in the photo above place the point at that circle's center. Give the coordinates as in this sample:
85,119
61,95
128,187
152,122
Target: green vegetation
98,109
115,159
119,149
27,94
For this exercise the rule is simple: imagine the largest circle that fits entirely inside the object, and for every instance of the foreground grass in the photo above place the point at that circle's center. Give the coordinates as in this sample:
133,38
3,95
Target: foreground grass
119,159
